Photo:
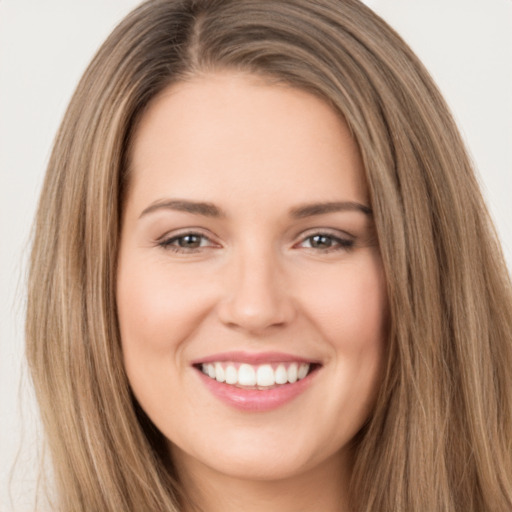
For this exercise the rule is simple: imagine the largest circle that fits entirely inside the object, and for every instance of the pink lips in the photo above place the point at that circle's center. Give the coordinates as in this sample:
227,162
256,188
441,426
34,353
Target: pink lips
255,400
254,358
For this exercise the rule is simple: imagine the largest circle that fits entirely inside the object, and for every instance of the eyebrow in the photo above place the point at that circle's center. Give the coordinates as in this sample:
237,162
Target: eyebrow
210,210
183,205
309,210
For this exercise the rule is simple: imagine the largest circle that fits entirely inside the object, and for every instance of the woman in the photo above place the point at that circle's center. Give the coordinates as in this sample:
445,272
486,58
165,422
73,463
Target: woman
263,275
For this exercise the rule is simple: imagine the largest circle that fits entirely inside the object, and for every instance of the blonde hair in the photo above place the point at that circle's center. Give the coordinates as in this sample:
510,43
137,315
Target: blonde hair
440,437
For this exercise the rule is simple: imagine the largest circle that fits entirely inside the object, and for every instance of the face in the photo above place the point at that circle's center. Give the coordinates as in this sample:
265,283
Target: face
251,297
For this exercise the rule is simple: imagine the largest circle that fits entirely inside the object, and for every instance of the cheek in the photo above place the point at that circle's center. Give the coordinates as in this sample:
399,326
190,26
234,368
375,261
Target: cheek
157,309
352,309
352,317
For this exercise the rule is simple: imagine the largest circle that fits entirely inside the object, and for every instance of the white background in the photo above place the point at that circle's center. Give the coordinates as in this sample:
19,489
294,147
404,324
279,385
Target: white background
45,46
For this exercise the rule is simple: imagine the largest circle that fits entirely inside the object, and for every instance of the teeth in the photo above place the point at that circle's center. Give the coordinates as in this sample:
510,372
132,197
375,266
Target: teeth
292,373
260,376
219,372
303,371
231,375
246,375
281,375
265,376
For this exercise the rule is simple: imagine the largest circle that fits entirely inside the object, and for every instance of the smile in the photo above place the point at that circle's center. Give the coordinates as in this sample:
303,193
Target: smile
262,376
256,382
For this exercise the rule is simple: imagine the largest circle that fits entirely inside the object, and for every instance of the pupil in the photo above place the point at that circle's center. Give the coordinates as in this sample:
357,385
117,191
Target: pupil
321,241
190,241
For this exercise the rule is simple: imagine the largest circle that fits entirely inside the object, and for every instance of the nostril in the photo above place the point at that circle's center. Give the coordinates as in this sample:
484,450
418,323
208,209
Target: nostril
253,315
255,297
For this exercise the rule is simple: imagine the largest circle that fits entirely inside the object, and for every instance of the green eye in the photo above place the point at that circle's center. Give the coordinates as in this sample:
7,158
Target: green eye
187,242
190,241
326,242
321,241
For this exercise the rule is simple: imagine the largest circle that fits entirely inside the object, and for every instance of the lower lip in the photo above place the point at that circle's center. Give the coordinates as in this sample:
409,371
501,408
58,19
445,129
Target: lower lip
256,400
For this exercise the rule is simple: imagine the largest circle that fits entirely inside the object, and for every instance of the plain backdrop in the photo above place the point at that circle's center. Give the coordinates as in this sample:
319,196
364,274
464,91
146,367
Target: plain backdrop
46,45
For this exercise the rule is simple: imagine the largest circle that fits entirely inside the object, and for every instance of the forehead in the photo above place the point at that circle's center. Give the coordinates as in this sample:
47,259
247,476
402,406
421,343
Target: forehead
235,133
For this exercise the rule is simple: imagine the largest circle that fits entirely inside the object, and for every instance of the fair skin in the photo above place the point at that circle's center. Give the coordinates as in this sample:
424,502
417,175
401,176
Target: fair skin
229,255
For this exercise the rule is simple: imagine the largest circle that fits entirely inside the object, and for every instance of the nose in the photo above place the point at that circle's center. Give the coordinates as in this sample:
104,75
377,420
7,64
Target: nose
256,297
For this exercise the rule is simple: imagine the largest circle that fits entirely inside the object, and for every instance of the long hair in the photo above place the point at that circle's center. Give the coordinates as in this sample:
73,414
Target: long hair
440,435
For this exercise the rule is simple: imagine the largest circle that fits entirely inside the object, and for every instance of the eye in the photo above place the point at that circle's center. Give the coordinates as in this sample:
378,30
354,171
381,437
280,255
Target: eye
186,242
327,242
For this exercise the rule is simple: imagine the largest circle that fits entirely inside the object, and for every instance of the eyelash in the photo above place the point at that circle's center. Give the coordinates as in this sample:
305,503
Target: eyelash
337,243
167,243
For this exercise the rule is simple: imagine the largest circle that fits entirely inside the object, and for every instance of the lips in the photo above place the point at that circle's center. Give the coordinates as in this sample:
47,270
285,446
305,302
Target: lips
256,382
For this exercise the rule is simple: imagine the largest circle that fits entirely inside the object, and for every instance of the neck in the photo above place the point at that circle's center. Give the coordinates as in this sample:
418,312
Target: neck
323,489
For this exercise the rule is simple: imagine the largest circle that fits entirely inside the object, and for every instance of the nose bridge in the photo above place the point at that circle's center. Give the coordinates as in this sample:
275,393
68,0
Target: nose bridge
256,297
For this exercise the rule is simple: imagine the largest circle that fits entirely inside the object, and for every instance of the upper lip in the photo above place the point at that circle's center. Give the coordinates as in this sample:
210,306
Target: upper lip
253,358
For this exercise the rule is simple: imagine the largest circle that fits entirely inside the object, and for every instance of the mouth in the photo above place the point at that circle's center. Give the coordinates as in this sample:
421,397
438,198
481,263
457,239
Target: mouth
257,376
257,382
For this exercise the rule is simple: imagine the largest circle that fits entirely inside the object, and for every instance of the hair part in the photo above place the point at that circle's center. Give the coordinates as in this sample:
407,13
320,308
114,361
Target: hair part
440,436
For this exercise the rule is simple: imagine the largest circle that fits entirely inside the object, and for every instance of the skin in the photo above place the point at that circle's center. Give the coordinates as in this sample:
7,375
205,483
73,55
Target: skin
256,283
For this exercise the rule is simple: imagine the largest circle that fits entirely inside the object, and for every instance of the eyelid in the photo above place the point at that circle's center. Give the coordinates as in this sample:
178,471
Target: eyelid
344,239
165,241
335,233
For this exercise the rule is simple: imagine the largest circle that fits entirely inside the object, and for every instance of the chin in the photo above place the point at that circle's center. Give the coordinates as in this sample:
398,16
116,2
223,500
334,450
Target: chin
269,460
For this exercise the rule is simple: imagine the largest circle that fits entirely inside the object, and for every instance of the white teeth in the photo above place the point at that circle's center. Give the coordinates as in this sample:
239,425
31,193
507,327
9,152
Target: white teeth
231,375
265,375
281,375
292,373
261,376
303,370
219,372
246,375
